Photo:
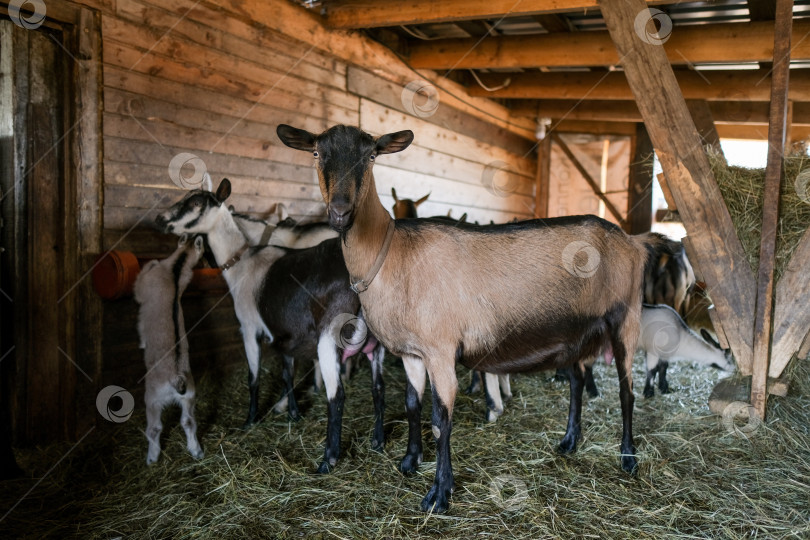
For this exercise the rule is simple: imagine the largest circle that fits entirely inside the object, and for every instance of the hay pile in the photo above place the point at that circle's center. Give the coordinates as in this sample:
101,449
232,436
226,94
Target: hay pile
696,478
743,191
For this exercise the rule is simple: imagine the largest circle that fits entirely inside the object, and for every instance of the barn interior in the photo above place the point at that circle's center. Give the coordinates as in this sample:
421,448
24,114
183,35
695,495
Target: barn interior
634,111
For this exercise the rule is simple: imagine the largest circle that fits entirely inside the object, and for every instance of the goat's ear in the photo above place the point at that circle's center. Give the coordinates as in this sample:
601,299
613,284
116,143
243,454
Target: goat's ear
224,190
199,243
394,194
299,139
708,337
420,201
182,241
281,212
394,142
207,184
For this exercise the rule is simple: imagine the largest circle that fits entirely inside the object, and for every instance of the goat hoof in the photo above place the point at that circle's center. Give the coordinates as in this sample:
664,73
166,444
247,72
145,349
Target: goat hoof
649,392
377,445
492,416
593,392
507,398
248,424
294,416
197,454
324,468
664,389
630,465
437,500
567,445
410,463
150,460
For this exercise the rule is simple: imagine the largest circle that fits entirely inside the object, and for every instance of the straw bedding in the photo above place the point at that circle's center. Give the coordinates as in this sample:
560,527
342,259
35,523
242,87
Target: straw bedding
697,477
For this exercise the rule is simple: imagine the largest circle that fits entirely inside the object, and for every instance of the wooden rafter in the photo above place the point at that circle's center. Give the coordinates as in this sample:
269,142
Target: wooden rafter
729,42
723,112
373,13
719,252
777,128
709,85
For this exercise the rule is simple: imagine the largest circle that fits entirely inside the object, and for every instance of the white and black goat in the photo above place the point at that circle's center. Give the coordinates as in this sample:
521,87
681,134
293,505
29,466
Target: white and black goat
158,289
666,338
300,300
510,298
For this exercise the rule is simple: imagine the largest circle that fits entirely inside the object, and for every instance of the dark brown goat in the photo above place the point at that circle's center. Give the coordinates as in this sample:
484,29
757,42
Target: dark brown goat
406,208
485,296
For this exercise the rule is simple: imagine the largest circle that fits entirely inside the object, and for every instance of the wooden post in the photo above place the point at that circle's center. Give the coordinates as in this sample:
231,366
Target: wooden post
543,177
639,186
770,211
678,146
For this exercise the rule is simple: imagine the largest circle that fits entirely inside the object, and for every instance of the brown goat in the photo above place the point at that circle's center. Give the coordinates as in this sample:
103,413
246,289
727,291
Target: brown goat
485,296
406,208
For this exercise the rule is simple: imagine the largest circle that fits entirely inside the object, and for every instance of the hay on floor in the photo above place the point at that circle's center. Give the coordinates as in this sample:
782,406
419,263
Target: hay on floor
697,476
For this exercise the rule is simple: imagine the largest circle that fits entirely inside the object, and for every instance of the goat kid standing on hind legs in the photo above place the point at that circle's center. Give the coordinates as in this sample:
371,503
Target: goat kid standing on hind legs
163,338
499,311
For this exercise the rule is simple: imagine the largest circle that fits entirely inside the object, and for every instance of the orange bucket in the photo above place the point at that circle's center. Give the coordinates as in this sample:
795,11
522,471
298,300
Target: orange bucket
114,274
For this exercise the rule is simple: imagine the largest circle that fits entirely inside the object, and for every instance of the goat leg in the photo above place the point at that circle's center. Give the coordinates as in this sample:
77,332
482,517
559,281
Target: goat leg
288,375
415,370
577,380
438,498
378,395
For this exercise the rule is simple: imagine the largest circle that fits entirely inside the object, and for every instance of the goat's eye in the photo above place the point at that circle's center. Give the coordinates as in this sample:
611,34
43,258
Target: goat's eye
372,157
315,154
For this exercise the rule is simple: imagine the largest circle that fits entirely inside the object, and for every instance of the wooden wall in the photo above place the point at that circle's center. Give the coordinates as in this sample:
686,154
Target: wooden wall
198,78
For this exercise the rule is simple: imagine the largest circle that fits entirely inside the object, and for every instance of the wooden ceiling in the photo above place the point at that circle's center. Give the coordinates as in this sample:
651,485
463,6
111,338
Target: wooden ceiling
554,58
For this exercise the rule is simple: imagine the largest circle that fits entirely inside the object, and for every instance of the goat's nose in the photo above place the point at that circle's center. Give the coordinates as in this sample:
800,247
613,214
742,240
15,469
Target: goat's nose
339,210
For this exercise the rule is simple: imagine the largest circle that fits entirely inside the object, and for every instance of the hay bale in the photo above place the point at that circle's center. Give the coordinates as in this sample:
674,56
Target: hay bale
743,191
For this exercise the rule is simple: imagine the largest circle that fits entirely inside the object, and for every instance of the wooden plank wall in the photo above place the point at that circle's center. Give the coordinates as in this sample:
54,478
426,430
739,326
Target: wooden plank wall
211,84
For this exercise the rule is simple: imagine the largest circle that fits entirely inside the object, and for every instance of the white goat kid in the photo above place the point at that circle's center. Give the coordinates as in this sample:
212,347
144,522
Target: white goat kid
158,289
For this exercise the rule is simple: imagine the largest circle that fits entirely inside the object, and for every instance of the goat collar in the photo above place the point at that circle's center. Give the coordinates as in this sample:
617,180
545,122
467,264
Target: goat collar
236,257
361,285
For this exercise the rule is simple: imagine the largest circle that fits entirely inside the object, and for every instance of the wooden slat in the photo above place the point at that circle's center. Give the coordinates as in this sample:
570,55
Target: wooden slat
591,182
791,318
639,214
758,132
672,131
687,45
372,13
388,93
709,85
763,322
295,22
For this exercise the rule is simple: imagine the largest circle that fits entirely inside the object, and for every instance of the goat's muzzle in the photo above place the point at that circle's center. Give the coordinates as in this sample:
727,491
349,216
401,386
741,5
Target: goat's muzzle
341,216
162,224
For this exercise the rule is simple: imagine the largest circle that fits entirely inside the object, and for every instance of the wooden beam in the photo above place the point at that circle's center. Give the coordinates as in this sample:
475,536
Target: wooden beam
373,13
639,186
702,117
596,128
591,182
543,177
762,10
791,318
710,85
723,112
719,251
687,45
777,128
